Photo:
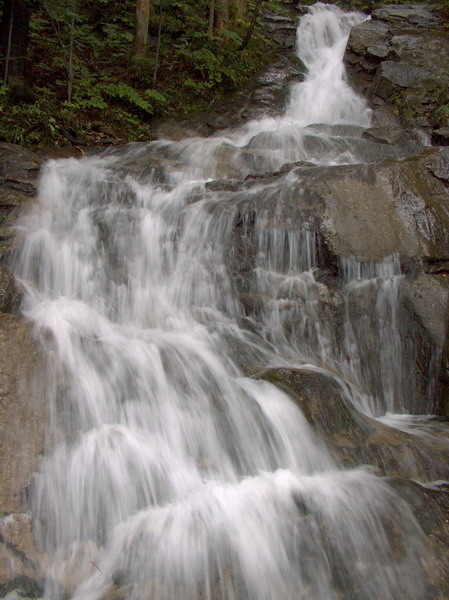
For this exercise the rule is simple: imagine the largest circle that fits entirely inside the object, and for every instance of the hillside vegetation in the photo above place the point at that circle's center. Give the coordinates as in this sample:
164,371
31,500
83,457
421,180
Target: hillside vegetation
73,72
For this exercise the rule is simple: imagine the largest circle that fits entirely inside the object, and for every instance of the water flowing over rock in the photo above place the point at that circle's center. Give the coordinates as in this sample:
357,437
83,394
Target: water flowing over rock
244,354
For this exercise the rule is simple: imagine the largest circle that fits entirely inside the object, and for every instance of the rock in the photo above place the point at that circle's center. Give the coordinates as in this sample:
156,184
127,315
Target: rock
400,57
430,506
429,296
353,437
367,212
281,29
223,185
394,75
22,415
413,204
18,166
272,87
19,169
409,16
441,136
371,211
10,292
19,559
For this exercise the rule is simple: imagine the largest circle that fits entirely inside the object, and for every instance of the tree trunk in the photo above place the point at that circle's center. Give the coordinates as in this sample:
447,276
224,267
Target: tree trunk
14,28
70,58
210,28
249,33
221,14
238,9
141,30
158,46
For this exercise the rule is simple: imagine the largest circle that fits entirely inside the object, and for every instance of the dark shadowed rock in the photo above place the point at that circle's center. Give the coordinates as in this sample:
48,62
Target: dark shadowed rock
19,170
10,292
19,167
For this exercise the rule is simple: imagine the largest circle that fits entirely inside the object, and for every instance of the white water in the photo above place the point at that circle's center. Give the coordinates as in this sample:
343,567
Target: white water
169,473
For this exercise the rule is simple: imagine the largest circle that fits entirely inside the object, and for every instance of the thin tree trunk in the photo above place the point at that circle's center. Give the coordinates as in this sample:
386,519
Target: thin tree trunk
158,46
14,28
70,59
249,33
210,28
8,50
141,30
222,14
238,9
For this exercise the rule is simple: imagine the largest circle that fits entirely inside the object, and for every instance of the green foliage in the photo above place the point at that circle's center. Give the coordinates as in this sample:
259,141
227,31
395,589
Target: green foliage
111,91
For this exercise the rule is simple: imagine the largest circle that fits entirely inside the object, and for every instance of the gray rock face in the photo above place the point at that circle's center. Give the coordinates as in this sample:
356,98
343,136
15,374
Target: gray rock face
22,414
407,16
393,75
19,169
366,212
371,211
400,56
22,419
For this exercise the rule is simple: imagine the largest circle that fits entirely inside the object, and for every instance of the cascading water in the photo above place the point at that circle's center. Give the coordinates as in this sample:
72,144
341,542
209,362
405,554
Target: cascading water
169,473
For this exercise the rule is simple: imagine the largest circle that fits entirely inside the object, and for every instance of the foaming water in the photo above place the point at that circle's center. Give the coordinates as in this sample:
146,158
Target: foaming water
169,473
325,96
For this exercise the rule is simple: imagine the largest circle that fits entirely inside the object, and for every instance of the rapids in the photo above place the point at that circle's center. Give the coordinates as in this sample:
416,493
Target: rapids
171,473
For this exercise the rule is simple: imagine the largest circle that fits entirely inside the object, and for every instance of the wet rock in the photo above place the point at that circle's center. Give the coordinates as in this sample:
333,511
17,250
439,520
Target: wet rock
18,167
406,141
400,57
431,508
19,559
354,438
438,164
376,210
10,292
429,296
281,29
19,170
271,88
223,185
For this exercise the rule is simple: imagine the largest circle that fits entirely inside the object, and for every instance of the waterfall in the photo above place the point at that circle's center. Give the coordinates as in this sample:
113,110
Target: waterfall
170,472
